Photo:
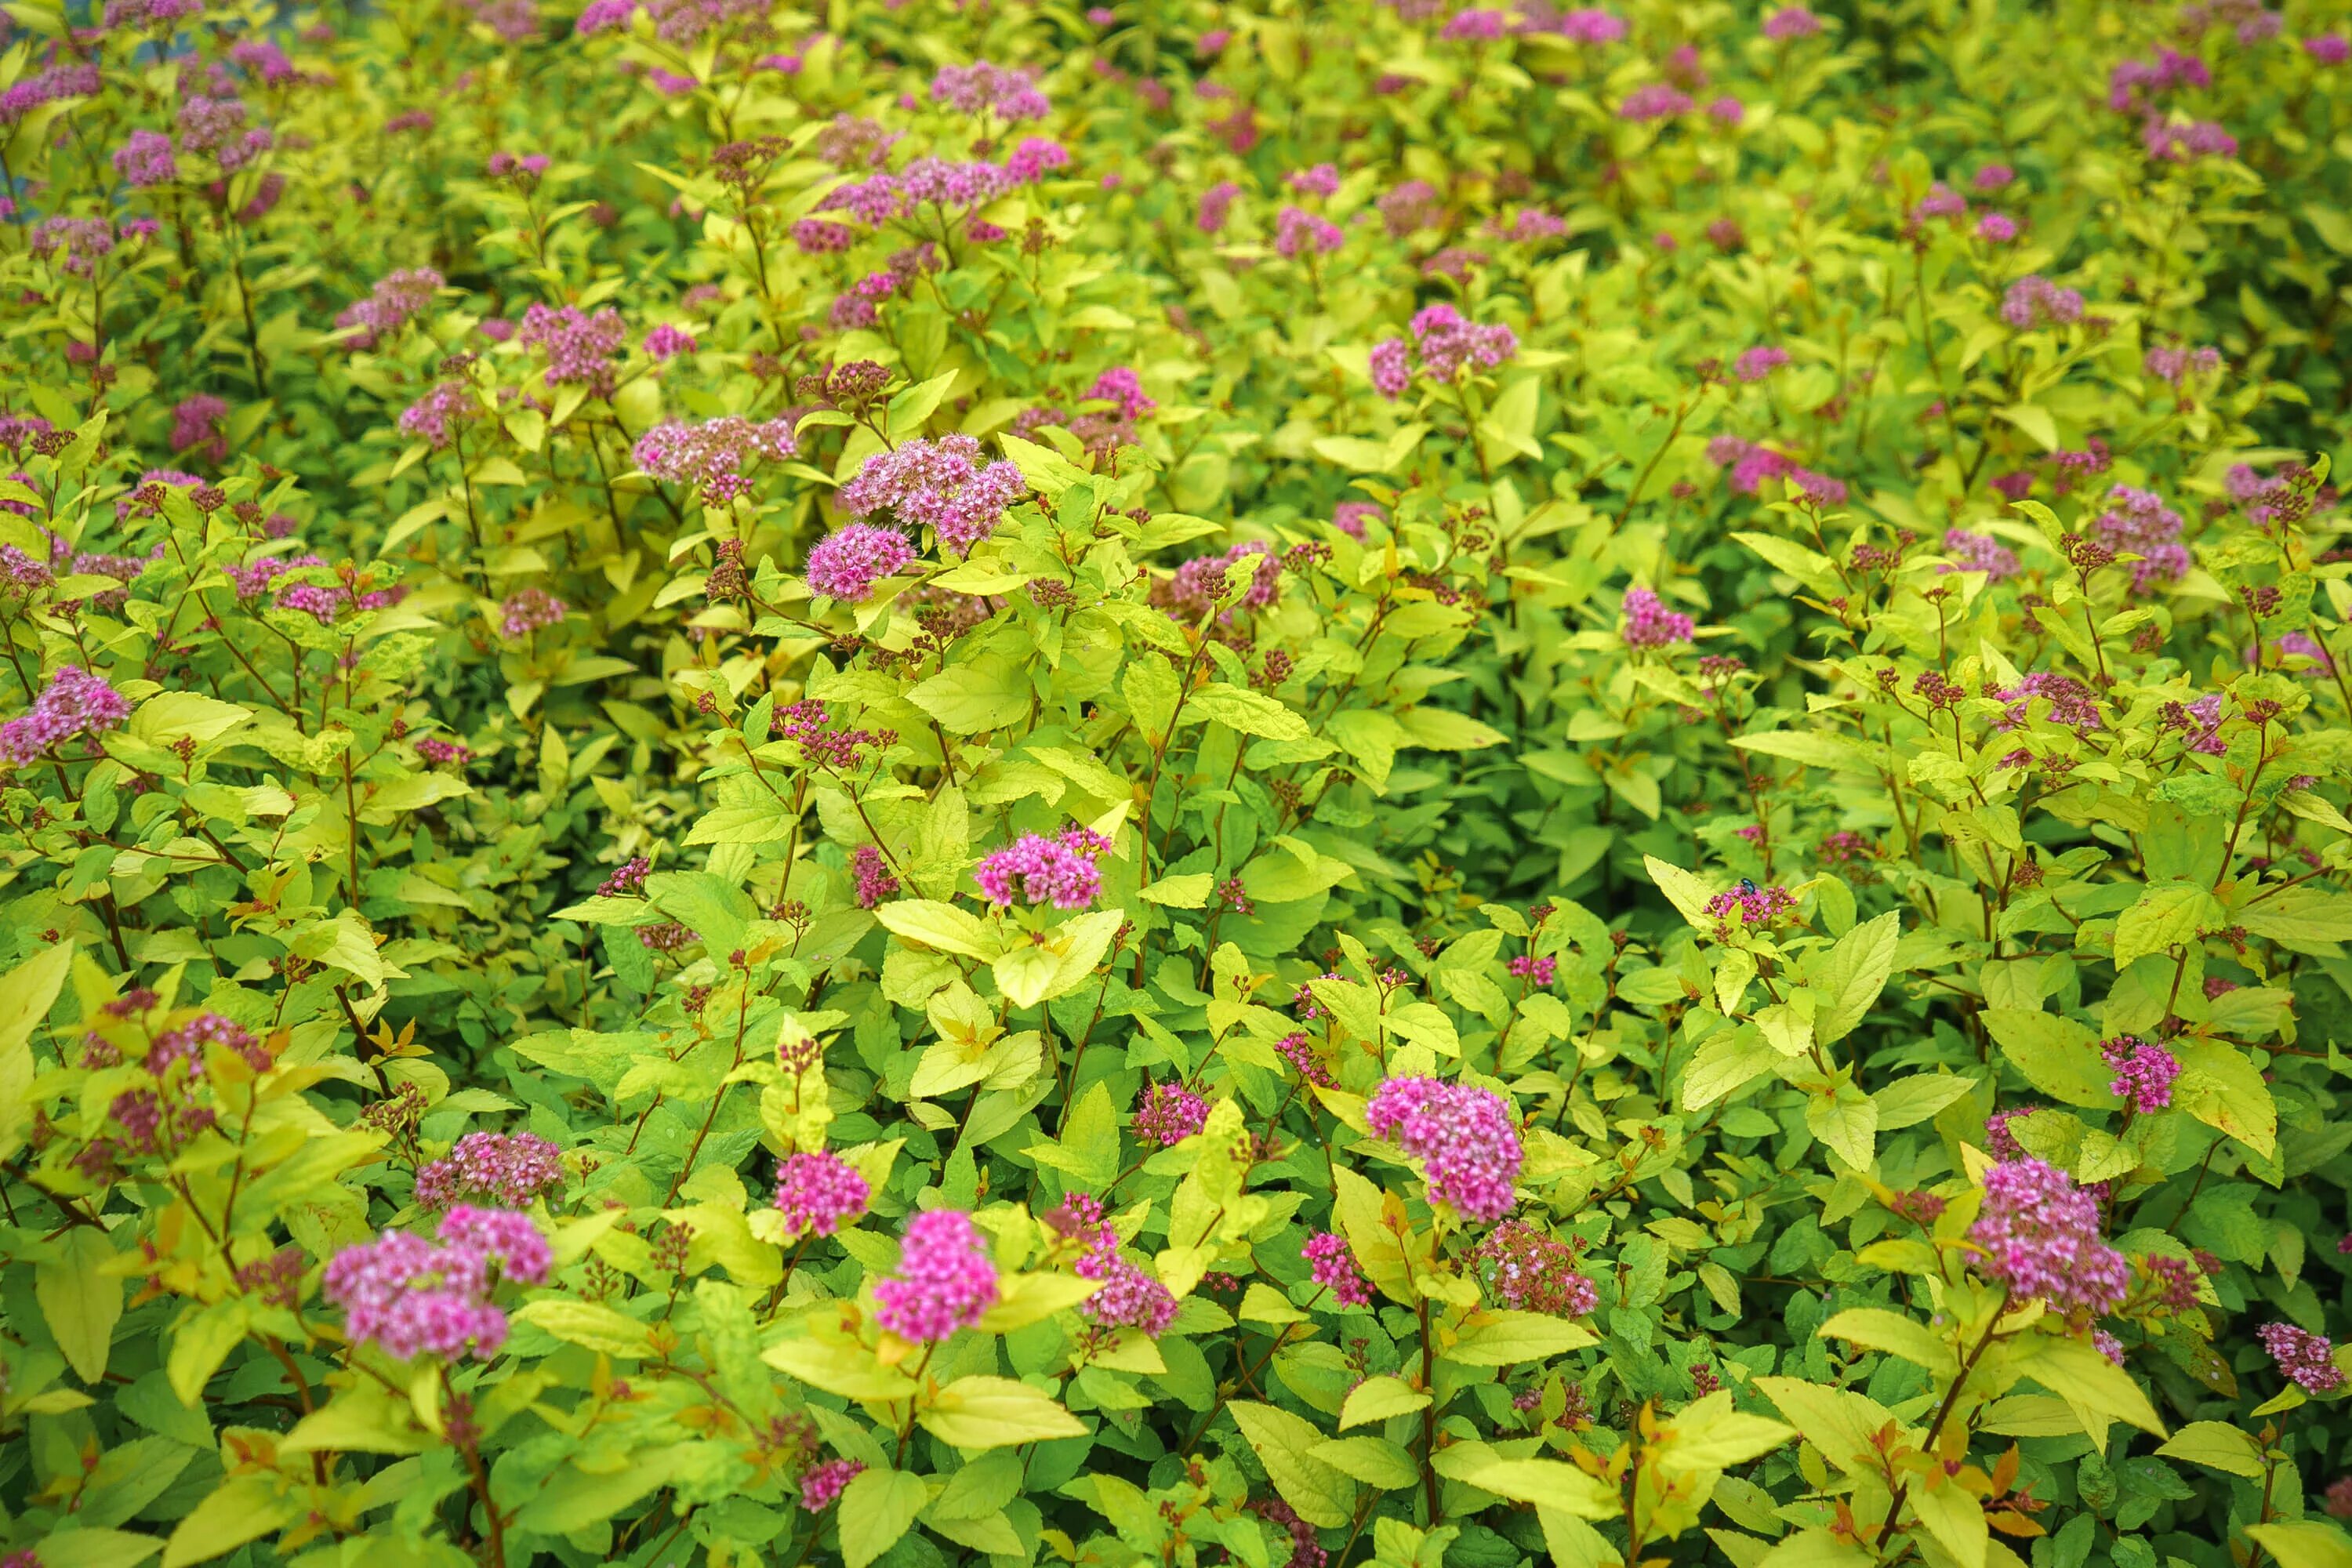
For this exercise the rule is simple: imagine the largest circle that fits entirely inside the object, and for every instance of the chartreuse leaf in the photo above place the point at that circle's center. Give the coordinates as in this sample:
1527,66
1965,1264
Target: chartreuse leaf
995,1412
1875,1328
2217,1446
241,1508
1551,1482
2304,1543
875,1508
26,993
1286,1444
80,1299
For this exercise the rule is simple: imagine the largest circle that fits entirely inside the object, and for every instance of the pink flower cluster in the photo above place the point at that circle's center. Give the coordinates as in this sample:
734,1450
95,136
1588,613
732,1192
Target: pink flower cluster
579,347
1753,462
1036,869
1537,971
2306,1358
846,563
2035,301
437,417
1007,92
2178,365
1653,100
1527,1270
2041,1237
1462,1136
1974,552
1121,385
1752,905
397,298
1649,624
2144,1072
712,455
145,159
508,1168
2137,522
187,1042
1332,1264
944,484
410,1296
75,702
945,1279
528,610
822,1484
1168,1113
1756,363
1297,231
1444,343
818,1192
872,876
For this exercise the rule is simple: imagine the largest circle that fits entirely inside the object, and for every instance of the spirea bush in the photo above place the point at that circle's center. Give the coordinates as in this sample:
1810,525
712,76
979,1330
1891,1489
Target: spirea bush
1281,783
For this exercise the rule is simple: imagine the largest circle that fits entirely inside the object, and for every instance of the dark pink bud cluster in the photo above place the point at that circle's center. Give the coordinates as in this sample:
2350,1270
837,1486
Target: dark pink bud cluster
1444,343
1299,1051
509,1168
1463,1137
437,417
872,876
945,1280
1297,232
186,1043
1539,971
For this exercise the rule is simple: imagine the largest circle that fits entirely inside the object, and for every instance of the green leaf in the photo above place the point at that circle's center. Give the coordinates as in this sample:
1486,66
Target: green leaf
81,1302
1847,1121
1684,890
912,406
1811,568
588,1324
1877,1329
2217,1446
1056,962
1378,1398
1954,1517
1250,712
1285,1444
2165,916
944,927
26,993
1505,1339
2094,1387
2304,1543
97,1548
2220,1086
967,699
995,1412
1726,1062
1190,892
1709,1435
875,1508
242,1509
1443,729
1374,1460
2058,1055
1853,974
1908,1102
1550,1482
168,715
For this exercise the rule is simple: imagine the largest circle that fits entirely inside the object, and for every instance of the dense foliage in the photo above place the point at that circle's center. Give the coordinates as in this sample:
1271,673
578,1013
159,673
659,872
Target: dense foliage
1280,783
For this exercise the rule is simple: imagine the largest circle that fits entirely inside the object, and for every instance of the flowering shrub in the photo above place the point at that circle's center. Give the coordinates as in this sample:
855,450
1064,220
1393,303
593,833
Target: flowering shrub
1276,783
